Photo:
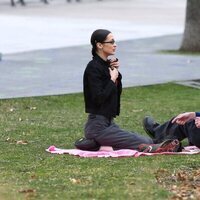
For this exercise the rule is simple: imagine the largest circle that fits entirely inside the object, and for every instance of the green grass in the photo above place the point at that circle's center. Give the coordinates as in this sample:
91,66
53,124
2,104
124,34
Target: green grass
28,172
178,52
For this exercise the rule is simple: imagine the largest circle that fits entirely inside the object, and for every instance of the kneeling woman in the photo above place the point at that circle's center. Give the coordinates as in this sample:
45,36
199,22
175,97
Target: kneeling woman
102,91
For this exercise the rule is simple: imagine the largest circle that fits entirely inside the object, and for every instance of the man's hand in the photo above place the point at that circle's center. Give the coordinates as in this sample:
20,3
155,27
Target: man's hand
181,119
197,122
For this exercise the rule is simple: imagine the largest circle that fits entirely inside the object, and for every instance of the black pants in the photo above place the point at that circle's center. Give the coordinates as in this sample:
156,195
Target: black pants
180,132
107,133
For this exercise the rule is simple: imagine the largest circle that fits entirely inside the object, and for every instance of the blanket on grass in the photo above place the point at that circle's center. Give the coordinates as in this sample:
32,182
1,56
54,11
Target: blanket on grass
109,152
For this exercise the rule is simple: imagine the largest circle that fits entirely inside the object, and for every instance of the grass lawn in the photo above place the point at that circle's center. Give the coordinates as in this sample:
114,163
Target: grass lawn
30,125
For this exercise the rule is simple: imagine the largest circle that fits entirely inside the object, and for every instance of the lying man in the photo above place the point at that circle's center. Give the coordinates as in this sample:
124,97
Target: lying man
184,125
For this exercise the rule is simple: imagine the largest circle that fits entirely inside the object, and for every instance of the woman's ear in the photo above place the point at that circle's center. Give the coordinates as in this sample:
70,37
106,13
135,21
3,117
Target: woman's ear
99,45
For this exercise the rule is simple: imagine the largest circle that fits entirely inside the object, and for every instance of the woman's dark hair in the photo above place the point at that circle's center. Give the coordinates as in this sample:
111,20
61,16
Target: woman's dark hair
98,36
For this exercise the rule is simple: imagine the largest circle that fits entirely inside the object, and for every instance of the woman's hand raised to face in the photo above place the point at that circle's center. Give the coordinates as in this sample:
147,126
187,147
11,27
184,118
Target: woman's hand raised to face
114,63
114,74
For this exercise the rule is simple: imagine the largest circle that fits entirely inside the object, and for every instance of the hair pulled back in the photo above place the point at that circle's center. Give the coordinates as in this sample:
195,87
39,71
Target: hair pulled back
98,35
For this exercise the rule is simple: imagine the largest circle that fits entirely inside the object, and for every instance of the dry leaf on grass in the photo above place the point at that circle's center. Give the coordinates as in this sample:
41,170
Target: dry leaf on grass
27,191
75,181
31,107
12,109
139,110
22,142
184,184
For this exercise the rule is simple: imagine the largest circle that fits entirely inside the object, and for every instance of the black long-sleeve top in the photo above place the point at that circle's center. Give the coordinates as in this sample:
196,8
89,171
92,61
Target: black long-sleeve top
101,94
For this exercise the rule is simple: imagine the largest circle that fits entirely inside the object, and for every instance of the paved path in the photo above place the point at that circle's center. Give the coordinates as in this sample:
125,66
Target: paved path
49,49
61,24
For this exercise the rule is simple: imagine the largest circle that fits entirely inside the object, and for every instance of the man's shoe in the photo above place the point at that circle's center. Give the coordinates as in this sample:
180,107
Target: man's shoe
149,125
166,146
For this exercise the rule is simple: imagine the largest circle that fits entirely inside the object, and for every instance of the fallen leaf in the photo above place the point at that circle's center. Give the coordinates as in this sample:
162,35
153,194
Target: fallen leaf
75,181
22,142
20,119
31,107
184,184
33,176
139,110
12,109
11,141
27,191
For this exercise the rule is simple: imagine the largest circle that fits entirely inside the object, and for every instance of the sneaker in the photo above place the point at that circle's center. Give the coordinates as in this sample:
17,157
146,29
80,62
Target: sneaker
166,146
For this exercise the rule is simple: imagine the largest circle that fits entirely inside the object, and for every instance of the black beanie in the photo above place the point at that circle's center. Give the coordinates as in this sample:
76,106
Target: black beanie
98,36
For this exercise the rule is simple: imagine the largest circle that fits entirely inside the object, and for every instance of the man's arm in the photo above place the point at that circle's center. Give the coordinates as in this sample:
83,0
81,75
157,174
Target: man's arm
182,118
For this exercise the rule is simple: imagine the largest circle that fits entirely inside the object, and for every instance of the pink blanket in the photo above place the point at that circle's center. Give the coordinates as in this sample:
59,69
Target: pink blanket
108,152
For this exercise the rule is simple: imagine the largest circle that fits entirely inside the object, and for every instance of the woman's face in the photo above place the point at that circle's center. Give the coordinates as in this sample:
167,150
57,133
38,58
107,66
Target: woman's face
109,45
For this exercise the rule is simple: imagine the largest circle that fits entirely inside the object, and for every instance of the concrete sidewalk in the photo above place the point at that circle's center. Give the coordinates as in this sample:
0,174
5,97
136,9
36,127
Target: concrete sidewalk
60,24
50,56
59,71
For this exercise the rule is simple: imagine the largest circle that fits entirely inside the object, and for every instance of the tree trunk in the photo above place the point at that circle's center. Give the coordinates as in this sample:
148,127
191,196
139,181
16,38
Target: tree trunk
191,37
